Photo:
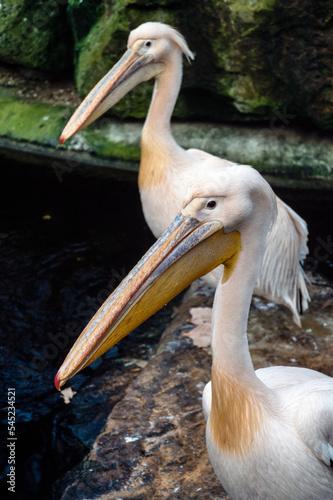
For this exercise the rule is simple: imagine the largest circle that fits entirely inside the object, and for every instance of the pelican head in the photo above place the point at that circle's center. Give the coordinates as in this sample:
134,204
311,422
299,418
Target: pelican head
206,233
149,49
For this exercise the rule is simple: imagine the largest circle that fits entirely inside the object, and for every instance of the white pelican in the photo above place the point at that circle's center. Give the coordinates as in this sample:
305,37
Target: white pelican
155,51
270,432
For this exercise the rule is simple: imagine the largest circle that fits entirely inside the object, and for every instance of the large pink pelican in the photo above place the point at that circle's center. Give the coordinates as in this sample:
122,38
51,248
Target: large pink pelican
269,432
155,51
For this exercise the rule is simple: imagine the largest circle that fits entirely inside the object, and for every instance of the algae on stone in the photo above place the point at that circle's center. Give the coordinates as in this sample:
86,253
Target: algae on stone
288,157
33,122
252,58
82,15
35,34
107,41
272,54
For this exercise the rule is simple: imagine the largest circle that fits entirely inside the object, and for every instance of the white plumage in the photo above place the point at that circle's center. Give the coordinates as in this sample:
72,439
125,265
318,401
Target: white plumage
166,170
270,432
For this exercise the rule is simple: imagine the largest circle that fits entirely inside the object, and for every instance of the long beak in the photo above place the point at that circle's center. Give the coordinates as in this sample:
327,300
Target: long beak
122,78
187,250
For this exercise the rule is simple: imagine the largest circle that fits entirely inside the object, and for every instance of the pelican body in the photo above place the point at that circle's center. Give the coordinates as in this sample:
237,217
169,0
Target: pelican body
155,50
269,432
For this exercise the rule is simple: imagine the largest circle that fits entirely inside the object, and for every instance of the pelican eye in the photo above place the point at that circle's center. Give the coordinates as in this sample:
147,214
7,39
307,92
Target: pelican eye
211,204
148,43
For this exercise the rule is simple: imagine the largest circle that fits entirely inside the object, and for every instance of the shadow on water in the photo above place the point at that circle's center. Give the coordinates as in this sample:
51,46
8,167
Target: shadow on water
64,246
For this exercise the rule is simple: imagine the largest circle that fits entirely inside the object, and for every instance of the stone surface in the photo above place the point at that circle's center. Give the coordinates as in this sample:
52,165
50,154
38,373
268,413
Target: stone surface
153,444
82,15
29,122
157,450
253,59
32,120
273,55
35,34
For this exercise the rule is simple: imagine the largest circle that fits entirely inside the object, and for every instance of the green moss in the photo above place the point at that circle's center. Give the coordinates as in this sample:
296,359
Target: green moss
287,156
41,123
90,464
270,55
100,50
83,15
35,34
107,41
253,57
103,146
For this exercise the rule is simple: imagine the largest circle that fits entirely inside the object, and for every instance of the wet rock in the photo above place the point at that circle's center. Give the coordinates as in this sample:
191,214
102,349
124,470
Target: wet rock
153,444
254,60
274,340
82,15
30,129
35,35
273,58
53,277
264,60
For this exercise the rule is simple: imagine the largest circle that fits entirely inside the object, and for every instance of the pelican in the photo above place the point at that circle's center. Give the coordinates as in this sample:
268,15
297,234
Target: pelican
155,51
269,432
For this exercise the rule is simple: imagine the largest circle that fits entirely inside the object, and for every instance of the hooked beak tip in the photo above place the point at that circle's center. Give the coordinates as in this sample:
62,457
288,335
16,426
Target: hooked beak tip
62,139
57,381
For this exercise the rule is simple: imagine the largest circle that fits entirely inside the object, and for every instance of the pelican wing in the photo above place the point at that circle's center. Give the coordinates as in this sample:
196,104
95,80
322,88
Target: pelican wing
314,420
281,376
274,377
283,280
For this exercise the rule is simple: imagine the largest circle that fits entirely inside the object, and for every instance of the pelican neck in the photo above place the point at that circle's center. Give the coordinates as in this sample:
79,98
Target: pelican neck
231,308
166,89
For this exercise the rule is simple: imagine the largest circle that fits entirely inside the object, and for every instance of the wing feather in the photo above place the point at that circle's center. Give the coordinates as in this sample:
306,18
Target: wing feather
282,278
314,422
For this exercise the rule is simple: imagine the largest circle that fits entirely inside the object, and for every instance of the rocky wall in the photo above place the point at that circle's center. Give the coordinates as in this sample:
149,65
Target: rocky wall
253,59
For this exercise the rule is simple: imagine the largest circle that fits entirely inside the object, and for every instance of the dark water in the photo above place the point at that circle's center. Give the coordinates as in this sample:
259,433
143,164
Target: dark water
63,247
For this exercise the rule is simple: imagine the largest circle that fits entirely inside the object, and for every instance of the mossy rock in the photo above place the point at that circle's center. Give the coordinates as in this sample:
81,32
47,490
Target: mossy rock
288,157
272,55
31,122
82,15
36,34
254,59
107,41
